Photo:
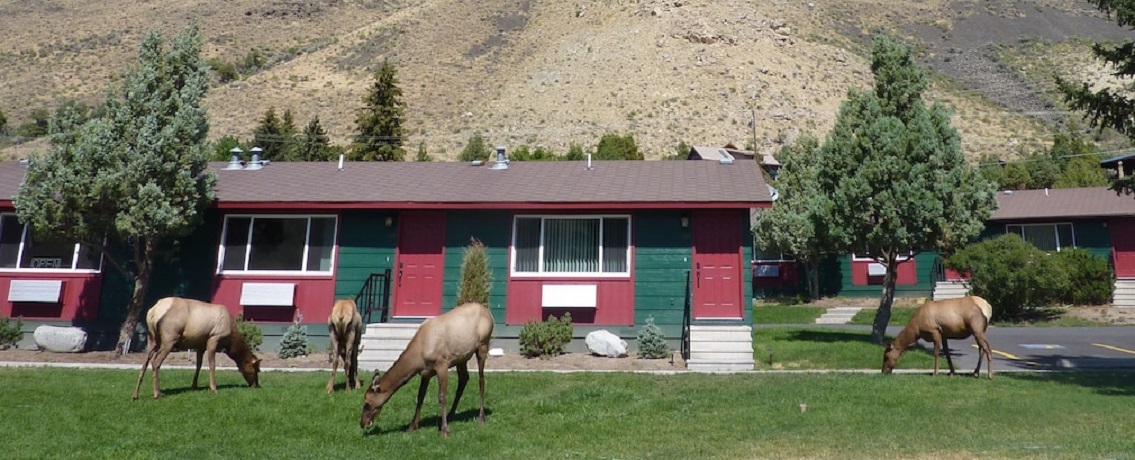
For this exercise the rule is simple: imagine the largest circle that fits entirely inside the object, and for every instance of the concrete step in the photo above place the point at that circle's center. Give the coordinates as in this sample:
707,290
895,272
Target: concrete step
949,290
720,348
838,315
383,343
718,366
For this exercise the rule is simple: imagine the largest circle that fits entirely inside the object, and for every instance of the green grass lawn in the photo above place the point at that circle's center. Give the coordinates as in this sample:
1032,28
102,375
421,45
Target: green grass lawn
56,413
827,348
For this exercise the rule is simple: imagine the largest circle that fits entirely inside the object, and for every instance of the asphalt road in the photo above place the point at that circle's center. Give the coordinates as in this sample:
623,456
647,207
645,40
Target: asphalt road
1048,348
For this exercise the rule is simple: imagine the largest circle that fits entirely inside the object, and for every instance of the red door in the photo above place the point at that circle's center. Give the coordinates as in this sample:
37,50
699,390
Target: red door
1123,243
717,265
419,268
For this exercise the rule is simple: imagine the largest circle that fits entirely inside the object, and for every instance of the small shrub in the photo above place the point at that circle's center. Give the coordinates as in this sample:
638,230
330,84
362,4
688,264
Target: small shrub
546,338
652,342
253,336
1013,275
295,342
10,334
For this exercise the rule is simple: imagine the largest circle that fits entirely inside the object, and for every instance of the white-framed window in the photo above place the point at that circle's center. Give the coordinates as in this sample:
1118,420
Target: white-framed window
771,256
20,250
1046,237
865,256
278,245
570,246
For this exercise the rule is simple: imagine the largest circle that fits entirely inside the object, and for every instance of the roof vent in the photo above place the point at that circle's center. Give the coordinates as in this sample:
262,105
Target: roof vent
725,161
502,160
234,162
255,162
1008,192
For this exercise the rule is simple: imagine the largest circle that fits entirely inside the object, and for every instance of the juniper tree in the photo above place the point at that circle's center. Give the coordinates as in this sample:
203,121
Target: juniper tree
894,171
134,178
476,277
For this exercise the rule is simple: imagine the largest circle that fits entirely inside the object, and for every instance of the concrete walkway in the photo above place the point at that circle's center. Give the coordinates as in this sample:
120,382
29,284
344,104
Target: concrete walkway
838,315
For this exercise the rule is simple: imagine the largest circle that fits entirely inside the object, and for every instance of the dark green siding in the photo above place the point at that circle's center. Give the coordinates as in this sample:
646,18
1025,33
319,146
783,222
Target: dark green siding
924,263
366,245
662,266
494,230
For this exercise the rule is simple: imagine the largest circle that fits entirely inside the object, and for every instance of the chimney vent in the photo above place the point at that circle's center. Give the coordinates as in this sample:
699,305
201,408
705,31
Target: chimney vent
502,160
255,162
234,161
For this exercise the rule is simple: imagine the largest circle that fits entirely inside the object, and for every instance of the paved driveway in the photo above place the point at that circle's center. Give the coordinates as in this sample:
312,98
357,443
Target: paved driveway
1047,348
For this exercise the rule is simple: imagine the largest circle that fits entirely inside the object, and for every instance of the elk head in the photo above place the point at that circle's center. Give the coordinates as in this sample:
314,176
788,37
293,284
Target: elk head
250,369
891,355
375,397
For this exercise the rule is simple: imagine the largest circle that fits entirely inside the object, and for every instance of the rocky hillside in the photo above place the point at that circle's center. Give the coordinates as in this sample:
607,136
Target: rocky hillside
542,72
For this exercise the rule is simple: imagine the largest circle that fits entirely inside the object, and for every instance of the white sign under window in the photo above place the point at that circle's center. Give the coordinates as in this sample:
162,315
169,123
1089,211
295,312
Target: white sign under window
569,296
268,294
876,269
47,291
766,271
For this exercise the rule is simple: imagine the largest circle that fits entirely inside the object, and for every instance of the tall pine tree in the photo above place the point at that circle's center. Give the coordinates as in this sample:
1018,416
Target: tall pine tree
379,122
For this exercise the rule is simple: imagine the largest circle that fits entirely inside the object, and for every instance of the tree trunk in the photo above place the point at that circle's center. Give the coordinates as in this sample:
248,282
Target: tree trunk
134,309
883,314
812,273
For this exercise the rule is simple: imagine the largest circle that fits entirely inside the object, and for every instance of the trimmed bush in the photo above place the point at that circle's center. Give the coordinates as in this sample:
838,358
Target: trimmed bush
546,338
1089,278
253,336
652,342
294,342
10,334
476,278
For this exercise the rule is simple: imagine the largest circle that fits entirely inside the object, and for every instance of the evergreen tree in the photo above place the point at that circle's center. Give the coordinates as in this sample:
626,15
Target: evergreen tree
616,147
423,154
222,149
295,342
315,146
575,153
3,124
275,136
379,122
137,176
1110,107
475,149
476,277
796,223
894,171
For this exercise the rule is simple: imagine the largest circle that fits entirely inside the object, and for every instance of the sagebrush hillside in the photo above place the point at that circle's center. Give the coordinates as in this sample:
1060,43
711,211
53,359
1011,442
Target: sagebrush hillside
553,72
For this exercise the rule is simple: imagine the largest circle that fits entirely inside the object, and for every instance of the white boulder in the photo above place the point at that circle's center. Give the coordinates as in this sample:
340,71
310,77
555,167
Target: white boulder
60,339
604,343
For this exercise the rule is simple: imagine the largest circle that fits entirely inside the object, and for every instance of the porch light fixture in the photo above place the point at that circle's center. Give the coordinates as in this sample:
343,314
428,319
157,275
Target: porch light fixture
685,222
389,221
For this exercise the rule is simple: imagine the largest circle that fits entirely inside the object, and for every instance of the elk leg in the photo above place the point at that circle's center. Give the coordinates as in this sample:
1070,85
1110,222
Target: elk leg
482,355
333,358
442,384
152,349
211,352
983,348
157,364
196,373
937,351
462,379
351,367
946,348
422,387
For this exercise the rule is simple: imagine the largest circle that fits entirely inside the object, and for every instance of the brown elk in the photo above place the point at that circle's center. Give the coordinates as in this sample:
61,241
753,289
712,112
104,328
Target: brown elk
345,327
938,321
174,322
444,341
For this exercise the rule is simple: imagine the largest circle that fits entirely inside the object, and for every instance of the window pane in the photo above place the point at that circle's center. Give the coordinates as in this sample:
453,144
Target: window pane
527,245
320,243
277,244
571,245
1064,232
47,253
236,242
11,232
1041,236
88,259
615,245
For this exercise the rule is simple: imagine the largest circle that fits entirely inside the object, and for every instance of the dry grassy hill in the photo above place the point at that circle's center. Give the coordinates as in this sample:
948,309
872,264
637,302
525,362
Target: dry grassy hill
552,72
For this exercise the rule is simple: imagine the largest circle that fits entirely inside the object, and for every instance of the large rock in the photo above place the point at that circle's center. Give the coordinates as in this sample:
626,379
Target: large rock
60,339
604,343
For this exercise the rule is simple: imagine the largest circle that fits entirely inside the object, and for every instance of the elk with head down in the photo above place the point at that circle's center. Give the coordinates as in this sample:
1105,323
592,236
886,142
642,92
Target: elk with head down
345,328
174,322
938,321
444,341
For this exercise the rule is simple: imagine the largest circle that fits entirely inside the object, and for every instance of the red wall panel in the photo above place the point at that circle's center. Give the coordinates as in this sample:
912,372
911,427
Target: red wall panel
859,277
79,299
313,298
614,302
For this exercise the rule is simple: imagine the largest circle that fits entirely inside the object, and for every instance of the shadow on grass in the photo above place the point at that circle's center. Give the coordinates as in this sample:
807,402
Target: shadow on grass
829,336
1110,383
167,391
434,422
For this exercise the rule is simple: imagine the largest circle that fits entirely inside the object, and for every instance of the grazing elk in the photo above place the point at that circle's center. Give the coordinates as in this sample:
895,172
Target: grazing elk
175,322
938,321
441,342
345,327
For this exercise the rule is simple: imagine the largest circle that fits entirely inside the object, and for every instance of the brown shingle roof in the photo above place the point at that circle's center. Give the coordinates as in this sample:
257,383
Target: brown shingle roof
410,184
1062,203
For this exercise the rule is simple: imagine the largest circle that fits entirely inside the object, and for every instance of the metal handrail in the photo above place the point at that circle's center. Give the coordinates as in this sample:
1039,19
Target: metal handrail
375,297
686,319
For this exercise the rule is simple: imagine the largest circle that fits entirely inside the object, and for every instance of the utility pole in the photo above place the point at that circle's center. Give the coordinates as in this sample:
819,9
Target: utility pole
753,124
